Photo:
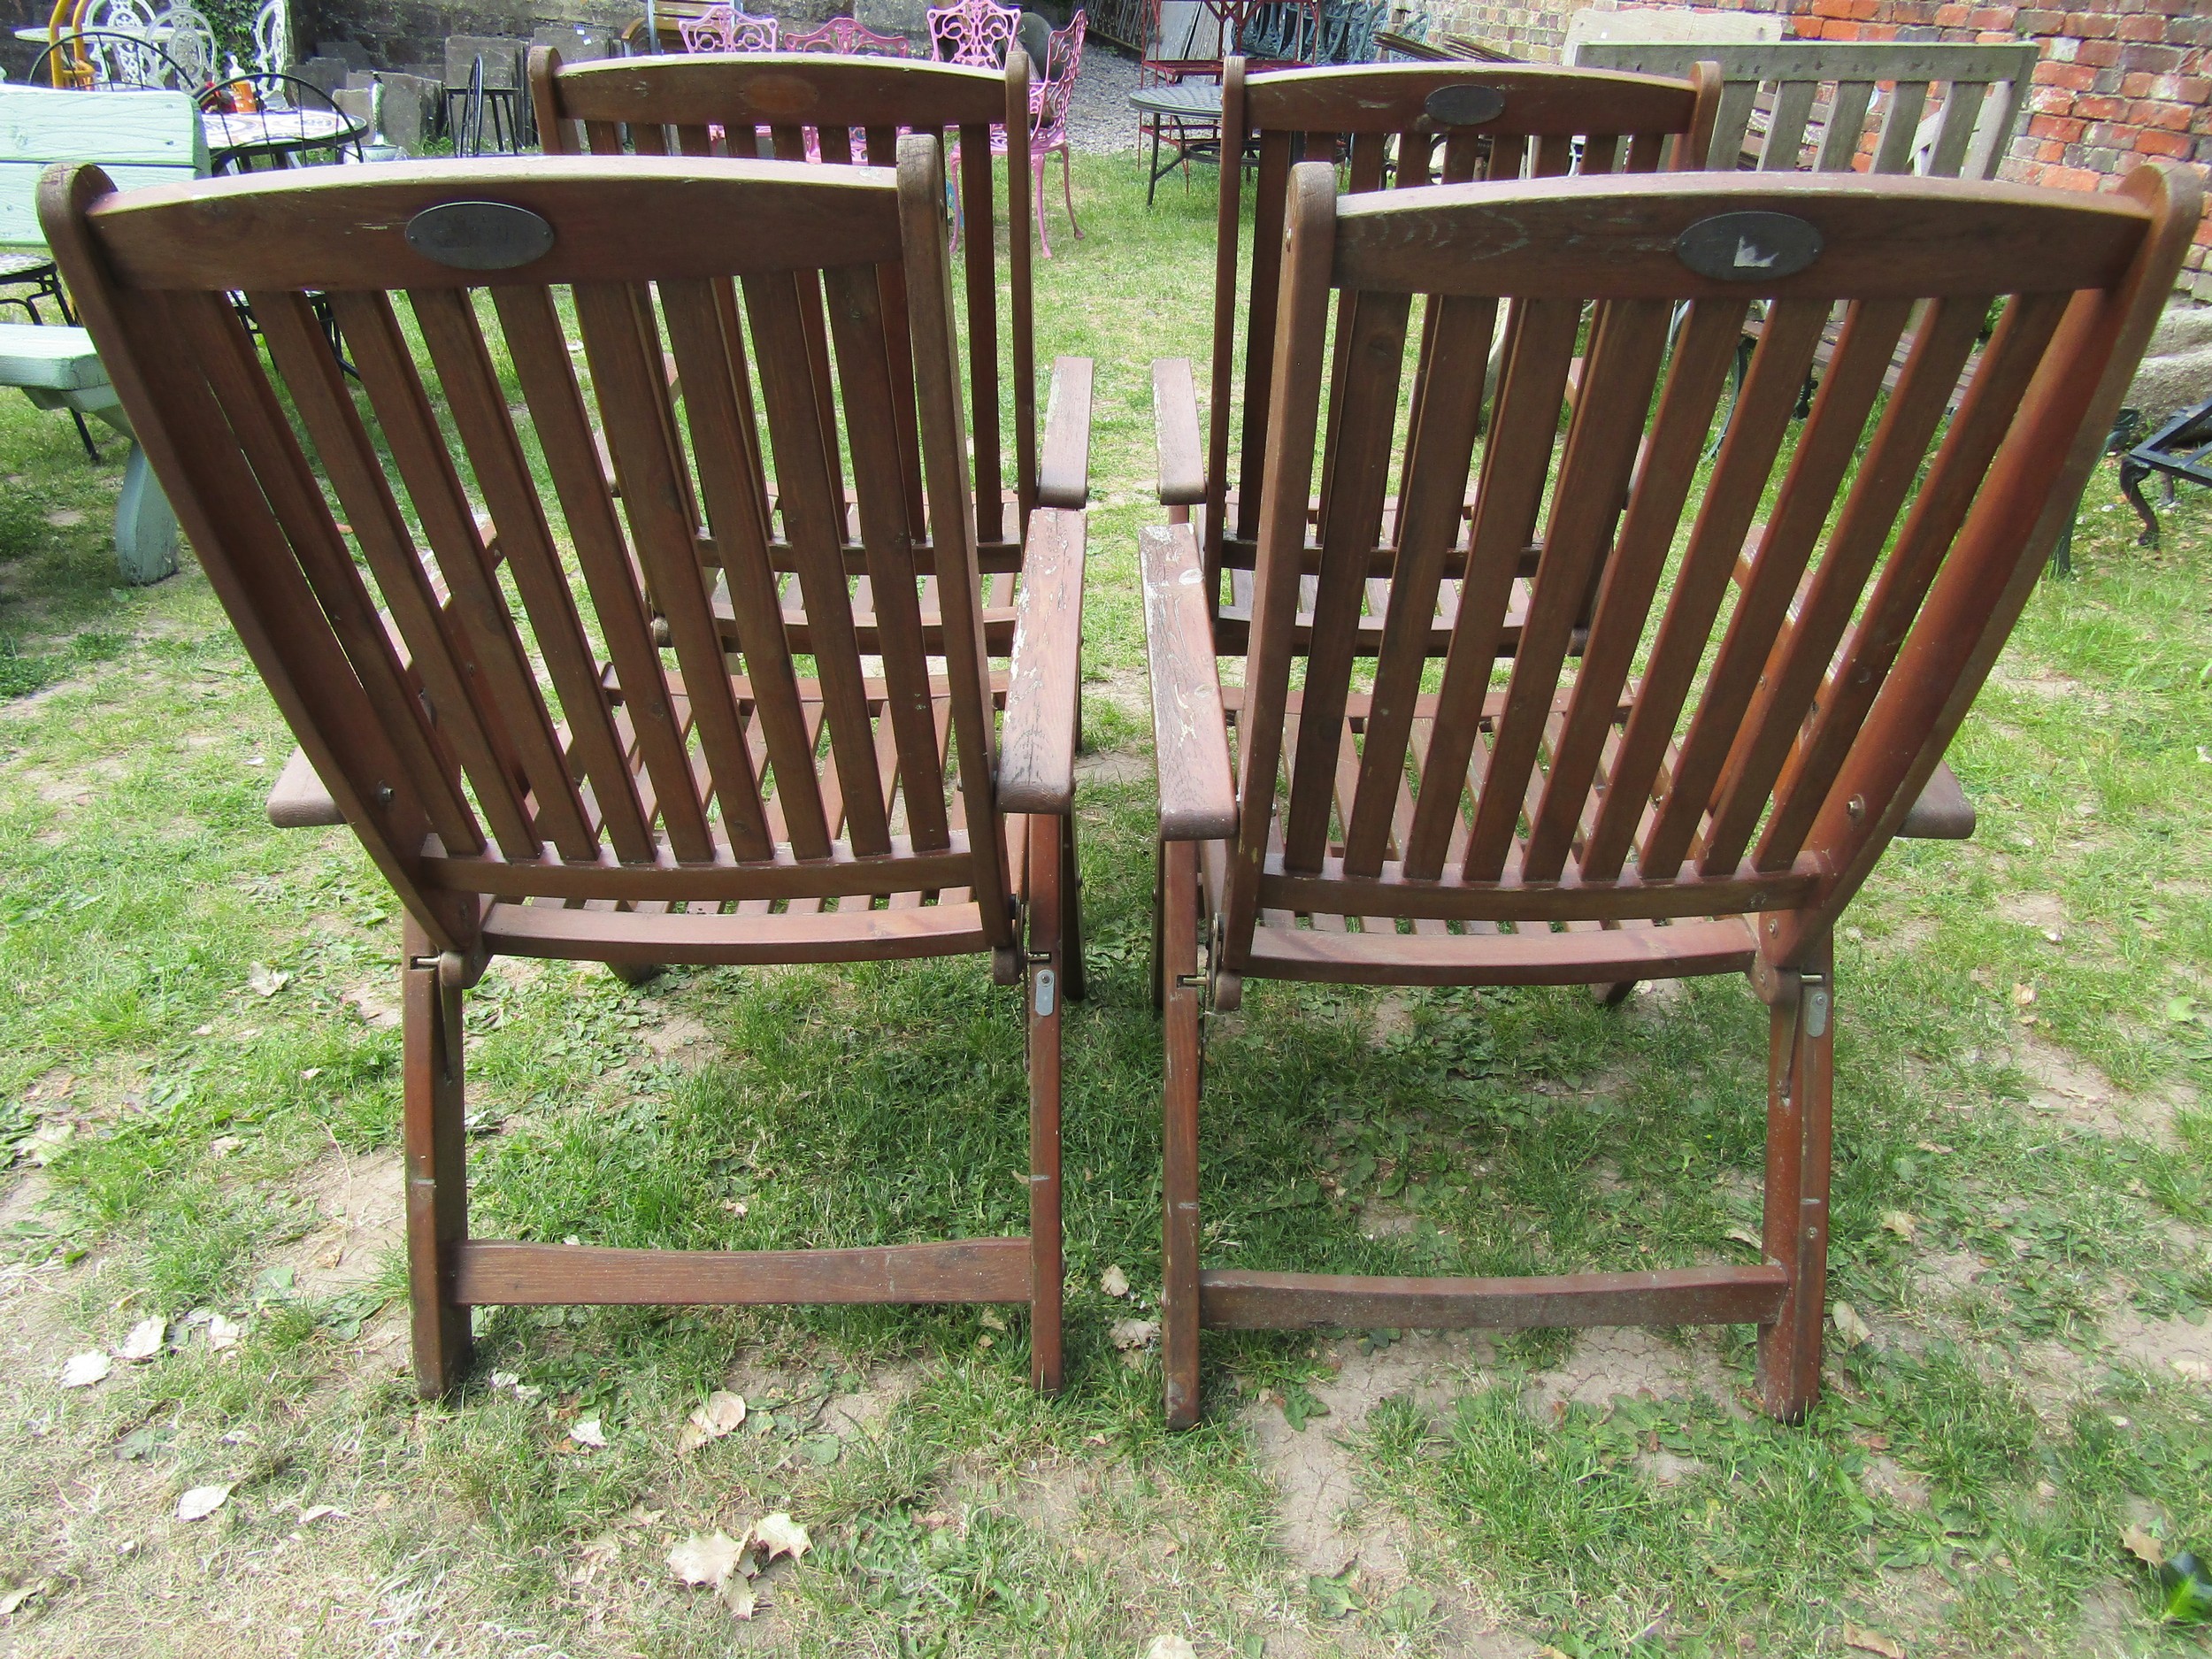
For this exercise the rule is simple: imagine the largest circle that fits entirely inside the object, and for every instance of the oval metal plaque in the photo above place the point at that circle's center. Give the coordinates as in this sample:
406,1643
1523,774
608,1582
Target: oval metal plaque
1749,246
480,235
1469,103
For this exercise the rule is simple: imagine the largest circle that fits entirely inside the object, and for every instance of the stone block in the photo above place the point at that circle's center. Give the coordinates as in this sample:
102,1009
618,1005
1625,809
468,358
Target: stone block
577,43
413,107
326,76
351,52
502,54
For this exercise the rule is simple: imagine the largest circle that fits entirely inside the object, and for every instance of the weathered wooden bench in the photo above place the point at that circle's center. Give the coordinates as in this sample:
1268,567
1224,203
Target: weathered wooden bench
139,138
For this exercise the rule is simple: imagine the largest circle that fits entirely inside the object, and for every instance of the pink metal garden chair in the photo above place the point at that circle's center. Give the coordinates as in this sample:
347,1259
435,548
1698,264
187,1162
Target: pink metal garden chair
972,32
723,29
848,37
1048,102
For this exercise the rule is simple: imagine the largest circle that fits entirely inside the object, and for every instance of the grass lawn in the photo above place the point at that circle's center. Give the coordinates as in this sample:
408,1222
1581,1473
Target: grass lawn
199,1086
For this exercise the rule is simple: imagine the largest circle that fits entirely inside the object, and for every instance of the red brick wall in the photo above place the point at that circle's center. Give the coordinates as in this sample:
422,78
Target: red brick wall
2121,80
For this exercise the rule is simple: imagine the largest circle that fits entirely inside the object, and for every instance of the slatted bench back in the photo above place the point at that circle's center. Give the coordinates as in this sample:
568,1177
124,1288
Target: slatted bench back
1433,123
140,138
1982,90
1715,749
536,742
809,106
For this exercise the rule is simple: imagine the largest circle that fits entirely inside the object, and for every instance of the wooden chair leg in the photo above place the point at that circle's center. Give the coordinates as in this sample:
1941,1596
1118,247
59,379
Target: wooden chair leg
437,1180
1180,1308
1075,985
1048,837
1801,1089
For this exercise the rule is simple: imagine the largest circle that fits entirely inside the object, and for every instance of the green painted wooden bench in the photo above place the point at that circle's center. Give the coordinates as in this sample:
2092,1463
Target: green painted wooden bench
139,138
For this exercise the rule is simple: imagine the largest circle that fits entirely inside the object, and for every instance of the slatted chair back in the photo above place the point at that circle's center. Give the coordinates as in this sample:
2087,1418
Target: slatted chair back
788,104
1824,90
1758,696
465,651
1406,125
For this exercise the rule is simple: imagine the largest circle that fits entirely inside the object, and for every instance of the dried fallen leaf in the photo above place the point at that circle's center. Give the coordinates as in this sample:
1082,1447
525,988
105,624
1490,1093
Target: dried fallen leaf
1171,1648
587,1431
1900,1222
1744,1235
1871,1641
84,1370
2144,1548
1129,1334
203,1502
779,1534
597,1553
722,1413
709,1561
265,981
22,1592
1936,1146
145,1340
1114,1282
315,1512
2024,995
222,1333
739,1596
1849,1326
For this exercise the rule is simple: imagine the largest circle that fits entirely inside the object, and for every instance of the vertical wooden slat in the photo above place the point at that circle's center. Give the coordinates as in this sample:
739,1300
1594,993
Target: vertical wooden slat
479,408
411,429
1900,126
1827,447
1755,430
1731,121
1628,338
541,360
1372,329
1515,461
982,329
953,527
1227,229
1985,413
1785,126
1430,506
1021,301
857,326
210,329
1847,125
459,703
1703,351
628,385
1961,107
1270,191
808,481
1309,206
1555,157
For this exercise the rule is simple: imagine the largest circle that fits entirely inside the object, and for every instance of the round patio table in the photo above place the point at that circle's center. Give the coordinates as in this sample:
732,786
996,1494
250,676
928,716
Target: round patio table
234,138
1193,108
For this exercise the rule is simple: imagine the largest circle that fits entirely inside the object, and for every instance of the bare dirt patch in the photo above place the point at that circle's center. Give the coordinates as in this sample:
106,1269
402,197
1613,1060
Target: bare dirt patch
1114,767
1630,1361
680,1032
2042,911
2076,1093
1324,1523
361,1204
863,1412
2171,1345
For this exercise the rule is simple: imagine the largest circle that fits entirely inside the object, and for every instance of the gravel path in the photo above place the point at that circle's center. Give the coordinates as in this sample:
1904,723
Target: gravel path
1100,119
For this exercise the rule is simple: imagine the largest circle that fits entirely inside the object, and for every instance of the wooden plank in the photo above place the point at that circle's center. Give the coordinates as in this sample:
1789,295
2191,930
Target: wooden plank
1037,746
488,1272
951,927
1881,238
1063,475
1189,728
1244,1301
1182,463
1540,99
1846,124
1602,957
1391,892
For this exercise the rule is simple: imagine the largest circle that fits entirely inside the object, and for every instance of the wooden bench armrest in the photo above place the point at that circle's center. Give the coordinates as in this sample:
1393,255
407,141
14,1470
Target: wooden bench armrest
1942,813
1063,471
1036,769
1190,732
299,800
1175,434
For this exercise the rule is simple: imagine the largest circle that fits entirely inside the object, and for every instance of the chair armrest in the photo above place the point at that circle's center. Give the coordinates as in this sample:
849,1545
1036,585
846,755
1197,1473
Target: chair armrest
1036,769
1063,471
299,800
1190,732
1942,813
1175,434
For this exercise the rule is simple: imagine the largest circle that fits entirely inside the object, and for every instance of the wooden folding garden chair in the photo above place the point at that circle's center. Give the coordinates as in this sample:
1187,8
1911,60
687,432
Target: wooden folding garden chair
809,107
1755,707
1407,125
535,771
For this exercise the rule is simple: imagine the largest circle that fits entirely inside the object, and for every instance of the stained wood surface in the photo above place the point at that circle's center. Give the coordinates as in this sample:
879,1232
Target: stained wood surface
1037,746
1244,1301
495,1272
1182,461
1189,731
1063,464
